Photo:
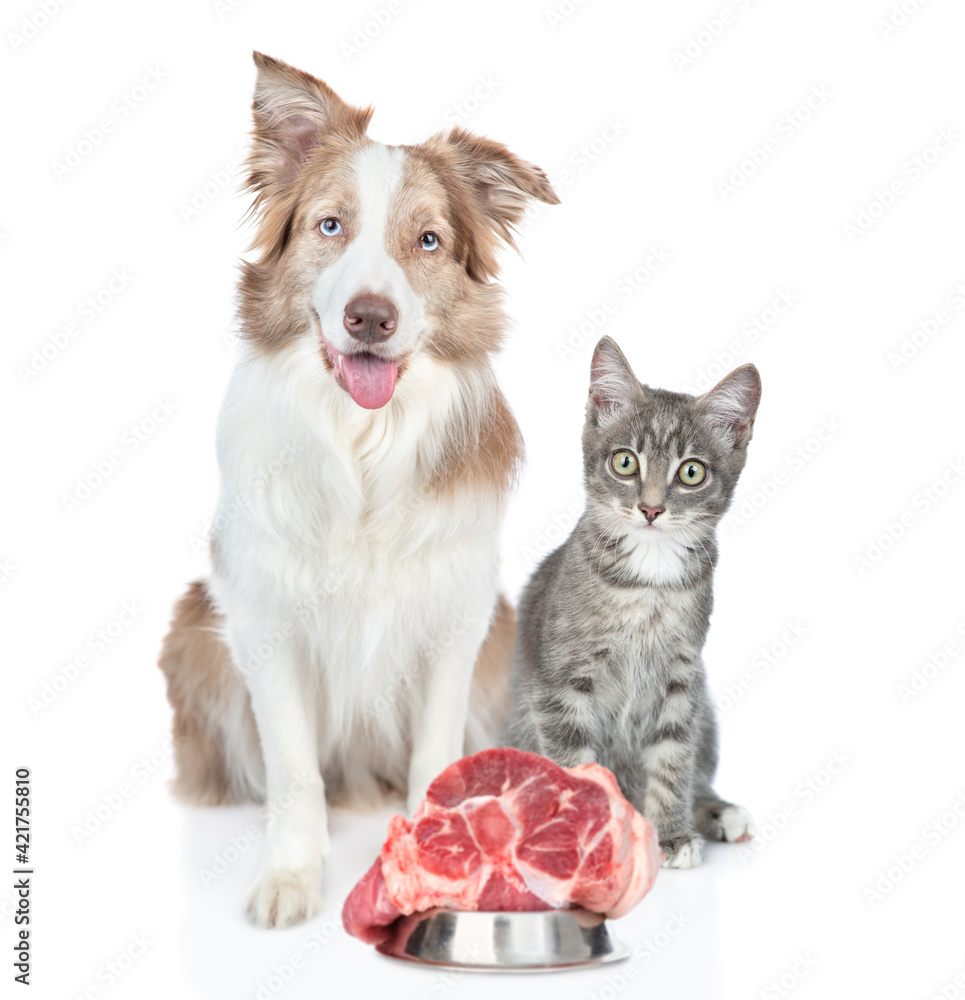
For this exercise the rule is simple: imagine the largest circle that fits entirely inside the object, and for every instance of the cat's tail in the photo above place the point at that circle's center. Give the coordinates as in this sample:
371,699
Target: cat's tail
720,820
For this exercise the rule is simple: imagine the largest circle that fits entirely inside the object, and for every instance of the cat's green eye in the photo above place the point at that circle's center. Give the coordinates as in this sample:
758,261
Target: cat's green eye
624,463
692,473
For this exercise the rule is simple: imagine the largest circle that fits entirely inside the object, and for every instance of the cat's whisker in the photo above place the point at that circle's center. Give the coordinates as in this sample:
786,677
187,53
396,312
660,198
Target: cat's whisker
691,532
605,538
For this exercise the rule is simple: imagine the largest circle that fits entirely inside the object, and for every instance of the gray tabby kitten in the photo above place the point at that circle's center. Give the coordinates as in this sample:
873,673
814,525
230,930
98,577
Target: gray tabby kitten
611,626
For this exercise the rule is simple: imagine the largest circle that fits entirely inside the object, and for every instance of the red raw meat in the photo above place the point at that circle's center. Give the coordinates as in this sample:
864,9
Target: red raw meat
509,830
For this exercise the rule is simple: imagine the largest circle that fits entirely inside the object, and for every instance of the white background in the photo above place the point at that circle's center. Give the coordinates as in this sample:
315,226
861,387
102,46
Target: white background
547,86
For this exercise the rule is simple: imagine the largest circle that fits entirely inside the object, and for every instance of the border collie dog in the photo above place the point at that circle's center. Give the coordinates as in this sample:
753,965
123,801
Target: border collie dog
351,637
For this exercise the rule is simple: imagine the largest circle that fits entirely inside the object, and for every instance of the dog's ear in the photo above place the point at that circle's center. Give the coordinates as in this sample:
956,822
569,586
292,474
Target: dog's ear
500,185
292,111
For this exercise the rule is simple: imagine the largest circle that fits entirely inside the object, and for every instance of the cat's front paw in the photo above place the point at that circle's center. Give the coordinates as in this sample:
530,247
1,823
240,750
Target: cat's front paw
736,825
685,851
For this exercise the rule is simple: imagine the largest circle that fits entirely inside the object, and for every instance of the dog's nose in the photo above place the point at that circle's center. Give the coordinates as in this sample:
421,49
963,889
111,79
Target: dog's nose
651,513
370,318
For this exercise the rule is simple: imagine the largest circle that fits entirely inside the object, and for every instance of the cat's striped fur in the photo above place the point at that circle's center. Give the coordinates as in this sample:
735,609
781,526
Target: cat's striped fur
611,626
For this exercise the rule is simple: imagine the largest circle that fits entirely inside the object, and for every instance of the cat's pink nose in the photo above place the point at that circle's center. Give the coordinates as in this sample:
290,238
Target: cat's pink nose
651,513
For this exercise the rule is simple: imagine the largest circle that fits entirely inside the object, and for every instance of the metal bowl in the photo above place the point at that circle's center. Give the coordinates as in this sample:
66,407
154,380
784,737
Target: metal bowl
540,941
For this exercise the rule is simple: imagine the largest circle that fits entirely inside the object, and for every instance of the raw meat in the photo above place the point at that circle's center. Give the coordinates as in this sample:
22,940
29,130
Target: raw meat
509,830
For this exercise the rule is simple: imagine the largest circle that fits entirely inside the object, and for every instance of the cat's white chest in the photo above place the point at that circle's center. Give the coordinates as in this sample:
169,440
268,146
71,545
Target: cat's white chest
657,558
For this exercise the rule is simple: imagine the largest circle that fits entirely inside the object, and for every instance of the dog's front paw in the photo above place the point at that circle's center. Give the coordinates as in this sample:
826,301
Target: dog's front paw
280,898
685,851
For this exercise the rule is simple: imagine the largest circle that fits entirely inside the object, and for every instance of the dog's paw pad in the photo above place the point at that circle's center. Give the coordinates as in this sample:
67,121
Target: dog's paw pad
682,852
282,898
736,825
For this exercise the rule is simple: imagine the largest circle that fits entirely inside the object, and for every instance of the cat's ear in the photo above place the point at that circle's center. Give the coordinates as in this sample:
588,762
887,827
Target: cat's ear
613,385
731,405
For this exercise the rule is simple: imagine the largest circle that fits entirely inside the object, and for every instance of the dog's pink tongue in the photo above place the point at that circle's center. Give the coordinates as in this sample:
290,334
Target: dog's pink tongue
369,380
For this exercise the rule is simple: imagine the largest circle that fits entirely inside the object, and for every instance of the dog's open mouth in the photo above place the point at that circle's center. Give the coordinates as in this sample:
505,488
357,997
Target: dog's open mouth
369,378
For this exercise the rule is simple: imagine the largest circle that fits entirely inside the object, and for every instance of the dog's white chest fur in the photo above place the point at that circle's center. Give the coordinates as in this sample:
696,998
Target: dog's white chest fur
338,551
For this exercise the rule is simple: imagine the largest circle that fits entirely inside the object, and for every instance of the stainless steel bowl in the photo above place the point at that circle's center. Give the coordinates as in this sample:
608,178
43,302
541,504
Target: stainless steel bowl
540,941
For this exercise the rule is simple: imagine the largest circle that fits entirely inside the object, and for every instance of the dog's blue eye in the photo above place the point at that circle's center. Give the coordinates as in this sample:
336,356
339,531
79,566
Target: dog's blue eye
330,227
429,241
